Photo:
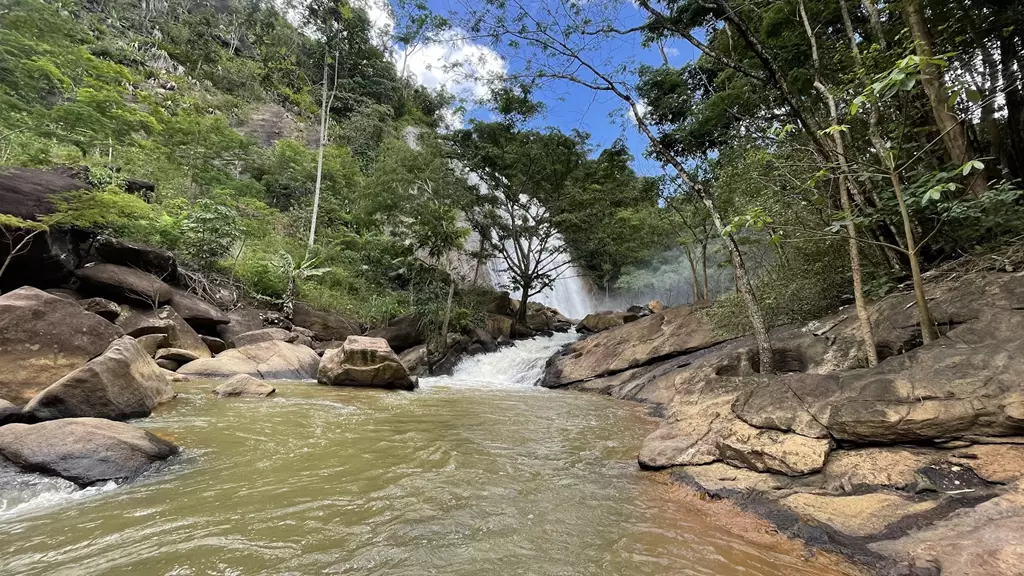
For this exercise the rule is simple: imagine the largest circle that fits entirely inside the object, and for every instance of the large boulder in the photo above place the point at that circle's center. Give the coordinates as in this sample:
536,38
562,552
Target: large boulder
401,333
48,259
938,391
123,284
84,450
199,313
164,320
415,360
42,338
240,321
600,321
326,326
499,326
160,263
122,383
364,361
673,332
744,446
271,360
244,385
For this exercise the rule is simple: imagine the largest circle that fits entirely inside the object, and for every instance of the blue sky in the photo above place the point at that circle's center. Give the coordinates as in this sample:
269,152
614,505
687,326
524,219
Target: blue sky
567,106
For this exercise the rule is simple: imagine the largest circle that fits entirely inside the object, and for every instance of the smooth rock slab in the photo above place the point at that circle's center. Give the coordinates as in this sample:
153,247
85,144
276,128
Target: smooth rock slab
244,385
862,516
273,360
364,361
84,450
122,383
772,451
196,311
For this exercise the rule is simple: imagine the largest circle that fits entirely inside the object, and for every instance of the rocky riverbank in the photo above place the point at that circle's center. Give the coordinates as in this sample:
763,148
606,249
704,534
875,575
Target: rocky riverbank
915,466
87,347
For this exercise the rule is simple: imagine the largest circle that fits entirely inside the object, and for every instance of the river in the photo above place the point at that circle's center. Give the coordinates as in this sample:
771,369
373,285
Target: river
476,474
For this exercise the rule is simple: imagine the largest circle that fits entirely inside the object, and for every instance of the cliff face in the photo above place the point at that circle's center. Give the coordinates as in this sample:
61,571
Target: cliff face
833,451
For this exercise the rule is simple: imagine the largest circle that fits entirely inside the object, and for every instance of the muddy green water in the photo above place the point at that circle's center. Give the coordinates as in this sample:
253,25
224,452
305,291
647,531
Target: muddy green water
451,479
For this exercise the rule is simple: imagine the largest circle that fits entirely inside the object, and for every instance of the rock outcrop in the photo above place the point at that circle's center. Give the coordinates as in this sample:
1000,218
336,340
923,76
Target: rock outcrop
101,307
364,361
122,383
199,313
915,463
241,321
401,333
673,332
264,335
244,385
601,321
325,326
158,262
123,284
84,450
271,360
42,338
9,413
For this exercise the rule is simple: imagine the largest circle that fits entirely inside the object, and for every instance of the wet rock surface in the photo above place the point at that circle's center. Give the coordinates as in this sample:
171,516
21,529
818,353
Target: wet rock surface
84,450
365,361
914,466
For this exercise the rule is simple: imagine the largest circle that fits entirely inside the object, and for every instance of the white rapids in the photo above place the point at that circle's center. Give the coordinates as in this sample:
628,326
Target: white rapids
519,366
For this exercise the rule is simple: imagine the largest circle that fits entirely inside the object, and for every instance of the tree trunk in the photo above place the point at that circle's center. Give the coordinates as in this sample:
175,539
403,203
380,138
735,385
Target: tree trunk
863,315
954,136
928,331
693,273
319,157
521,313
1014,96
447,312
704,269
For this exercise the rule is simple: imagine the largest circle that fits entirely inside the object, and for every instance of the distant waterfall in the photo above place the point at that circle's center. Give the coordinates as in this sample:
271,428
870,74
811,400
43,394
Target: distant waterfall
568,295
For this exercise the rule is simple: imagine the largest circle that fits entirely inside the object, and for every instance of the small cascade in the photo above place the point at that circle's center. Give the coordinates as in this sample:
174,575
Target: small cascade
517,366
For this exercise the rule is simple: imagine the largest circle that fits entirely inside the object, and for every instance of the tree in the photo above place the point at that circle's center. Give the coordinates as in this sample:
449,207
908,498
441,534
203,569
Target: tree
521,173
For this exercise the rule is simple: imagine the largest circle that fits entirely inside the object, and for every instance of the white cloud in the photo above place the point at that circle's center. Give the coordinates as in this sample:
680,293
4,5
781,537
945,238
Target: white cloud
464,68
382,18
641,107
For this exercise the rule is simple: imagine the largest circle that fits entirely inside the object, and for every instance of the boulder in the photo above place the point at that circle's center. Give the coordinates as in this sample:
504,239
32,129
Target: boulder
64,293
502,305
655,306
401,333
164,321
445,360
415,360
199,313
9,413
152,342
483,338
244,385
122,383
673,332
241,321
744,446
271,360
216,345
364,361
176,355
304,332
303,341
169,365
84,450
101,307
326,326
123,284
160,263
499,326
264,335
48,259
939,391
601,321
42,338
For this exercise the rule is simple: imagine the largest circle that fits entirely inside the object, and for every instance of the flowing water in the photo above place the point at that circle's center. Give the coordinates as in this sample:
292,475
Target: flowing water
476,474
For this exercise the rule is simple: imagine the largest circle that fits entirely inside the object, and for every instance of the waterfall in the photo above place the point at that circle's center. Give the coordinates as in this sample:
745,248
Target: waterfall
517,366
568,294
